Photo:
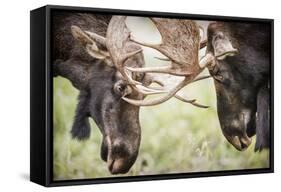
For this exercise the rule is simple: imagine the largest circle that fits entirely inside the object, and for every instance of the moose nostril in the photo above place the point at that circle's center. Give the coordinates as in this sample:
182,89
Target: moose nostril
120,149
119,165
104,151
105,148
241,143
245,142
118,157
243,146
110,164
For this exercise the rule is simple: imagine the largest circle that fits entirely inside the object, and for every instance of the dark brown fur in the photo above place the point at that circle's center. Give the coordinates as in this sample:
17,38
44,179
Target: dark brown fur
243,84
117,120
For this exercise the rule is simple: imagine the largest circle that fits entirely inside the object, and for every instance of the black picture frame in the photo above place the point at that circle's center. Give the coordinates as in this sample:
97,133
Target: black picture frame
41,101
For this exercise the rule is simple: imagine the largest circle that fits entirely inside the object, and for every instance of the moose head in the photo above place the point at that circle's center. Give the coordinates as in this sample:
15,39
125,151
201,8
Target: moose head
241,80
92,66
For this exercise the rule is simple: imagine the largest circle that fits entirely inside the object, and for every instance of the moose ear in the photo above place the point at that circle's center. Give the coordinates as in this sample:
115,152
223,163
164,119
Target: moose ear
81,35
90,42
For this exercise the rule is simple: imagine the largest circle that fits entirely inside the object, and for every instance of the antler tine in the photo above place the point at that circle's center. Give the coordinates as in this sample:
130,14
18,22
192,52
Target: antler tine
179,97
201,78
192,102
148,91
162,59
163,99
120,65
162,69
158,100
207,60
128,55
160,81
203,43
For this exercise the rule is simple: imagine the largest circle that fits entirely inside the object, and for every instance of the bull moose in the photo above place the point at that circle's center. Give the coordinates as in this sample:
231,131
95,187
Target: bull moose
81,55
242,82
103,60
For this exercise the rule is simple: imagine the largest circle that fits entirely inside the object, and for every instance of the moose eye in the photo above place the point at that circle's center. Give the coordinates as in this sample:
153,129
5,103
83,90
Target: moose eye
220,76
222,79
121,88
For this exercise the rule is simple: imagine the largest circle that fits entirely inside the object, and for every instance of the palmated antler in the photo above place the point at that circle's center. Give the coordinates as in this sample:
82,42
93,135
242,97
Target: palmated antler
119,45
181,45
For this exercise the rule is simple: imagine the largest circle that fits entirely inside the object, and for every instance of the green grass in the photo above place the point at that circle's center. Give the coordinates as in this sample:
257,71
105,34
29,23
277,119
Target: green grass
176,137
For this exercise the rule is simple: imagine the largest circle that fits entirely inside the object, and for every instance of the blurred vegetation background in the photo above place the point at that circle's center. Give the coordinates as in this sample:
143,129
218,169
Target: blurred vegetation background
176,137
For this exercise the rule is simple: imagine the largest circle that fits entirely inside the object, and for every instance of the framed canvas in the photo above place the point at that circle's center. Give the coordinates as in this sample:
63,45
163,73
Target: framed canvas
123,95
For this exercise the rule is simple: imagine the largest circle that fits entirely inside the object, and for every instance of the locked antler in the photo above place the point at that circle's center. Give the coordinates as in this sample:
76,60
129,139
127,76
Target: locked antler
180,44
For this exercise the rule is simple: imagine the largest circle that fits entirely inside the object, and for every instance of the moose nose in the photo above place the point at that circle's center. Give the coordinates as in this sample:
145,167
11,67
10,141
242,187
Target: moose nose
116,166
236,132
118,156
241,143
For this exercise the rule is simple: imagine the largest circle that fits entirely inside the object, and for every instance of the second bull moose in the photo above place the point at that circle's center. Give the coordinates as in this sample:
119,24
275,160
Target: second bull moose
242,81
103,60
